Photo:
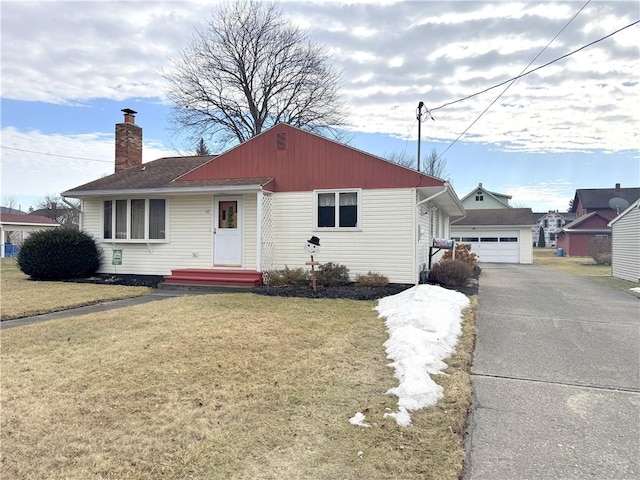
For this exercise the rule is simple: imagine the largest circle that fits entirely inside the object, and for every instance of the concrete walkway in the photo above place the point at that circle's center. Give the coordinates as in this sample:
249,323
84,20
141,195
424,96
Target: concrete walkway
556,378
98,307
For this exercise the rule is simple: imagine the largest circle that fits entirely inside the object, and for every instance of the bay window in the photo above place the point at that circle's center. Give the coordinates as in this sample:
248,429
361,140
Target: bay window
133,219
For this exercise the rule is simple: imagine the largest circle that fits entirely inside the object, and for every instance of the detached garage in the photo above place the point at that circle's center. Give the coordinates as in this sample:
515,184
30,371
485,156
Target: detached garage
497,235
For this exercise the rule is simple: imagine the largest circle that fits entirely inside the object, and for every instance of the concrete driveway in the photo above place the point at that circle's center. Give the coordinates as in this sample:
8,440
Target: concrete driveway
556,378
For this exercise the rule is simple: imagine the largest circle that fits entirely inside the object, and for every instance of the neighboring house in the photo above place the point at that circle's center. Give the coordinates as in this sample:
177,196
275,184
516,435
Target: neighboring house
606,204
574,237
65,216
497,235
625,243
551,223
15,228
481,198
213,219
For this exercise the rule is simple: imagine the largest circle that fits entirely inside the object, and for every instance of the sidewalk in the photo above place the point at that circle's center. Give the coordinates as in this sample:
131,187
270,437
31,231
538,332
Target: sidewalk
98,307
556,378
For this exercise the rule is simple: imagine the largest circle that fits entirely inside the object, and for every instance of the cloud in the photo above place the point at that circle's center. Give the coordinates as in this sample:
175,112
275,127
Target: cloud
392,55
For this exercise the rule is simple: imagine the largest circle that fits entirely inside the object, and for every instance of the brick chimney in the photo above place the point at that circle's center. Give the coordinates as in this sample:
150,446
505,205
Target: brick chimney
617,186
128,142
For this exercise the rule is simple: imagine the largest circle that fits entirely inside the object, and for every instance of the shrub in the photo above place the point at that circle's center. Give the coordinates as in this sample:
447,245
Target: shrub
372,279
332,274
600,250
59,254
463,253
286,277
451,272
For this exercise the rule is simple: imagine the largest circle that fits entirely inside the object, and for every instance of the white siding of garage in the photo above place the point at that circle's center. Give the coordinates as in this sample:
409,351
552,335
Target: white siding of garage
625,245
504,250
384,243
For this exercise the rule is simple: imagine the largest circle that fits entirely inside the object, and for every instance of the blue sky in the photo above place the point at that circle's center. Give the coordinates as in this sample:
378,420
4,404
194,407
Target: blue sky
68,68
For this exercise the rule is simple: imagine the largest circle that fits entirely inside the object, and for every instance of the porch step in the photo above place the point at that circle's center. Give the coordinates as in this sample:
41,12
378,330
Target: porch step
199,276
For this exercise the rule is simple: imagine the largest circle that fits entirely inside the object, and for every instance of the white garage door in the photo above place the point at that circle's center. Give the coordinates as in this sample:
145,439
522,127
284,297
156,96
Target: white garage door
497,247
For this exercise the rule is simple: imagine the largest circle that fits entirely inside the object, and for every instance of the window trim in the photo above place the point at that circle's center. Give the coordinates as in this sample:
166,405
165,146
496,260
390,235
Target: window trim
128,239
337,192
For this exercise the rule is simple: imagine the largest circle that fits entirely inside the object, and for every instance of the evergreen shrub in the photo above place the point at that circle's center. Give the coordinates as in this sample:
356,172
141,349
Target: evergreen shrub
59,254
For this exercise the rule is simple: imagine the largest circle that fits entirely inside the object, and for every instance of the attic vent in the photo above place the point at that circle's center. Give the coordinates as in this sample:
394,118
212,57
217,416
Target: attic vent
281,141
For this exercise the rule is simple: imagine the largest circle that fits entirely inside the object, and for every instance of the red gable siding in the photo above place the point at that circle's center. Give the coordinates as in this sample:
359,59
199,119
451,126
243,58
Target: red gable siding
307,162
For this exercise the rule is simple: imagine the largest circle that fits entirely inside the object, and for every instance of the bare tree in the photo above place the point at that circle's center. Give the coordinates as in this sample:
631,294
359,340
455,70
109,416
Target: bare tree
53,207
248,69
432,164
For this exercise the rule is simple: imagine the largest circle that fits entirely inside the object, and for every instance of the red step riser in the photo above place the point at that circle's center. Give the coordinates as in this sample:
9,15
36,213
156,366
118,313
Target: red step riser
214,277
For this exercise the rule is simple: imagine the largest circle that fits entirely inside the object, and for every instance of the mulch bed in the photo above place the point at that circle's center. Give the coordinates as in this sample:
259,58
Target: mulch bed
352,292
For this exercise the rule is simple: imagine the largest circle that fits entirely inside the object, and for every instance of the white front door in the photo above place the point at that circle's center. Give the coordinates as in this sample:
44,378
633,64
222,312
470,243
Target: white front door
227,232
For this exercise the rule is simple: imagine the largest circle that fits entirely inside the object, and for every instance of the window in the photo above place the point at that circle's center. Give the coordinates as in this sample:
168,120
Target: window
545,223
337,209
469,239
552,236
508,239
559,222
479,198
135,219
489,239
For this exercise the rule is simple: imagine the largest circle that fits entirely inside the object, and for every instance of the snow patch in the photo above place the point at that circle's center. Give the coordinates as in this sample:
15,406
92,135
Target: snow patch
424,323
358,420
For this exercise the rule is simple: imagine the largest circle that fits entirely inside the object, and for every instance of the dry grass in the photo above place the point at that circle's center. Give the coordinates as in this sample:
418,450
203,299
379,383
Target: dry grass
21,297
582,267
220,386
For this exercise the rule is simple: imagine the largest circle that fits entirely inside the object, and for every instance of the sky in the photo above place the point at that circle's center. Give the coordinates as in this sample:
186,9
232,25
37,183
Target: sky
68,68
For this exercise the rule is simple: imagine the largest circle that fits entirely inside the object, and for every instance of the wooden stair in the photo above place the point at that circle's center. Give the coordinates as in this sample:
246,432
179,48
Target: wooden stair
211,277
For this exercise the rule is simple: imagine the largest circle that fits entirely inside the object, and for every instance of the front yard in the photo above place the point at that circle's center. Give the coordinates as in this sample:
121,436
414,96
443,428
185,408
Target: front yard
583,267
220,386
22,297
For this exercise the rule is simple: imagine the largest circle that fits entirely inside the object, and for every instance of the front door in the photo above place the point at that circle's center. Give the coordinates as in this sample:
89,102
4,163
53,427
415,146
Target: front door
227,238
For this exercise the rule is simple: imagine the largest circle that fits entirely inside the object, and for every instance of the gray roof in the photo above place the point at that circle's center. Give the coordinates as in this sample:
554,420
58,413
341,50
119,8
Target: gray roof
598,198
156,174
497,216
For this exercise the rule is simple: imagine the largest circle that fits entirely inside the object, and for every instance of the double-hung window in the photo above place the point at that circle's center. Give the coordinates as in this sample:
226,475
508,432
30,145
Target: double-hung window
142,219
337,209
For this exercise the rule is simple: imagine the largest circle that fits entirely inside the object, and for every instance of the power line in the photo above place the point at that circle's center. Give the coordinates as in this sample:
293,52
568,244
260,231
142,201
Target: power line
55,154
537,68
514,79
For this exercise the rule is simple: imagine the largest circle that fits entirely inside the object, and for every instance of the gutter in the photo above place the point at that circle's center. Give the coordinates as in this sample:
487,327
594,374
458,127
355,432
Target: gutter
163,191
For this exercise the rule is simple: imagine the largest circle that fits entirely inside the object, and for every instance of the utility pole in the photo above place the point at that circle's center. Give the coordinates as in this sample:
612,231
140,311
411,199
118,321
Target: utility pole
419,118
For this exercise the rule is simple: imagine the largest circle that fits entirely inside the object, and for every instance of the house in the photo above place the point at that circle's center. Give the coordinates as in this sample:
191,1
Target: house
67,217
594,208
481,198
214,219
501,235
625,243
551,222
15,228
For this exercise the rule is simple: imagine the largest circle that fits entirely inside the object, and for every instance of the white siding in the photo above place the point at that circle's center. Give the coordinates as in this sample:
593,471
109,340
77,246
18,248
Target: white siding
190,242
526,246
384,243
625,246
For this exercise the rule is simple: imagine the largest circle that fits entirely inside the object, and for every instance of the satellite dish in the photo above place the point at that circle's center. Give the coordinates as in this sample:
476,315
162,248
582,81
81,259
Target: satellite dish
618,204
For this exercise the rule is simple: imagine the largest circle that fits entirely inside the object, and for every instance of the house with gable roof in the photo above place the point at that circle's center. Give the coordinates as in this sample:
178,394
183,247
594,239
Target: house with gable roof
226,219
594,209
625,243
16,227
480,198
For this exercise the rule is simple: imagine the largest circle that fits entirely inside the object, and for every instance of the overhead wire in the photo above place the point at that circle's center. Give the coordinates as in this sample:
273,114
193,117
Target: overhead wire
55,154
512,81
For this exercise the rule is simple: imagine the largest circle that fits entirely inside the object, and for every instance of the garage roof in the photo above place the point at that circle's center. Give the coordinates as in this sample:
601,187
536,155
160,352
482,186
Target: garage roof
497,216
